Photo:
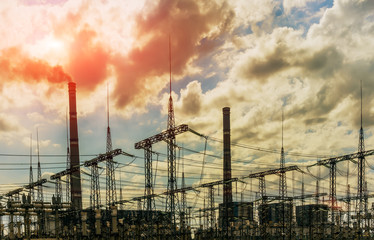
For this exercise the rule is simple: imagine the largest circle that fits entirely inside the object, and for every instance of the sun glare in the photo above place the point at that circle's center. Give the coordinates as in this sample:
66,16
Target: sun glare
54,44
50,49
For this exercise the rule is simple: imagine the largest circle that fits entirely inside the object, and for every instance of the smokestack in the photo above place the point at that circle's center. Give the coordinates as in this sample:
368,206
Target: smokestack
227,187
75,182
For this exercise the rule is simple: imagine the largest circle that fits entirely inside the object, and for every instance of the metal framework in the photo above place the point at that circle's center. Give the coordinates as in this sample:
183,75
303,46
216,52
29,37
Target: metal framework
350,157
40,187
172,199
100,158
273,171
105,156
146,144
211,207
31,176
95,199
282,174
283,189
332,196
58,188
149,203
163,136
111,195
183,204
35,184
331,163
362,203
262,189
282,177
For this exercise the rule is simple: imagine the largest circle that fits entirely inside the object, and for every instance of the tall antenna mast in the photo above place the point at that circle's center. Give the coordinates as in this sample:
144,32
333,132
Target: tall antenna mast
172,205
170,65
40,187
282,126
362,203
107,100
31,177
111,195
283,186
361,101
282,179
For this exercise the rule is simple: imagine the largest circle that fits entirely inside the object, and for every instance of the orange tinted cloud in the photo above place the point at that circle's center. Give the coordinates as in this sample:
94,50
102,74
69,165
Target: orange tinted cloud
190,25
88,60
16,65
196,29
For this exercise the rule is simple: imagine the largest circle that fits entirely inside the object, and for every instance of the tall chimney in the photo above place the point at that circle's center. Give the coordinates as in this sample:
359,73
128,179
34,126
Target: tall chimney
227,187
75,182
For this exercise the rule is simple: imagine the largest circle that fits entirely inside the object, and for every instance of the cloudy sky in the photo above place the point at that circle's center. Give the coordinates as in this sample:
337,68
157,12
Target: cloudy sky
258,57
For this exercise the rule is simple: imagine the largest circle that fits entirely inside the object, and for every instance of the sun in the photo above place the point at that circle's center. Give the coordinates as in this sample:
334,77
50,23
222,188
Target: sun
53,44
50,49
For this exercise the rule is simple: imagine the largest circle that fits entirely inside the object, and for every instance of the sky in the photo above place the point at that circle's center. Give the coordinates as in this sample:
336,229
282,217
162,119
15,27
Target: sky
305,58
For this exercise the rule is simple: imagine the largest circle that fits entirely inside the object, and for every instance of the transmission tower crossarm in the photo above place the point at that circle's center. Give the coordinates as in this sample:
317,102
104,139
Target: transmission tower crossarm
13,192
164,135
219,182
343,158
37,183
274,198
310,196
65,172
196,133
346,199
103,157
190,188
272,171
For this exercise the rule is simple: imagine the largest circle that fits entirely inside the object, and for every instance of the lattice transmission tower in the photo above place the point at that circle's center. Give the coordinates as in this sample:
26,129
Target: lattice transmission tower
111,195
172,199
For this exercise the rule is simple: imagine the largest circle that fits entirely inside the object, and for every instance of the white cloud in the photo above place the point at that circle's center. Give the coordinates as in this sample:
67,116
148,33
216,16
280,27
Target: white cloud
289,4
